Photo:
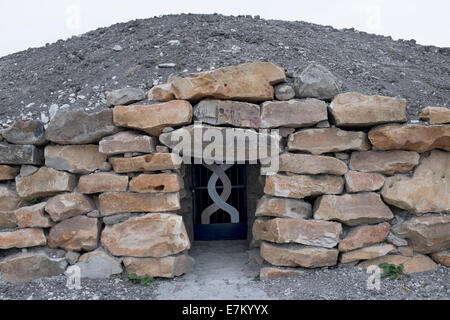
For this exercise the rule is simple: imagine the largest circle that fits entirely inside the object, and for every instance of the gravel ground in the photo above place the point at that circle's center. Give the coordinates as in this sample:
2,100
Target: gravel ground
77,72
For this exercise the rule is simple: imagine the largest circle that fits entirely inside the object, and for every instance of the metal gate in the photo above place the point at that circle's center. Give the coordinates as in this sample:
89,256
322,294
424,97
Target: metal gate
219,195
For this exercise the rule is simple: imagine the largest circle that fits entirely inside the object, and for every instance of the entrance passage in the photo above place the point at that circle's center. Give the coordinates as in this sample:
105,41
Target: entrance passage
219,195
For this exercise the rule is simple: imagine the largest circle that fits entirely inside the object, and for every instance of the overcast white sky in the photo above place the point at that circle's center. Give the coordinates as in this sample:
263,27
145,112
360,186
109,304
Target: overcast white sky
32,23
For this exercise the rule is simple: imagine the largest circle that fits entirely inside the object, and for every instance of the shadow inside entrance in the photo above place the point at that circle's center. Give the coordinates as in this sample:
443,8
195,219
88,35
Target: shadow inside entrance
222,271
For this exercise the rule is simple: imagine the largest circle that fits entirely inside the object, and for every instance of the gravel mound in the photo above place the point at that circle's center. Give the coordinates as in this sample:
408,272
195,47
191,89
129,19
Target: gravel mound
142,53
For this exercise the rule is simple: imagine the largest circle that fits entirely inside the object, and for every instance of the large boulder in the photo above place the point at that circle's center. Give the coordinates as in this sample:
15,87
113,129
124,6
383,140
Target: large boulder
25,132
289,230
251,82
315,81
411,137
427,190
298,256
28,266
21,154
165,267
387,162
148,162
363,236
301,186
127,142
417,263
353,109
154,118
283,208
76,159
427,234
64,206
318,141
234,113
121,202
22,238
152,235
102,182
229,145
33,217
352,209
44,182
293,113
75,126
75,234
98,265
154,183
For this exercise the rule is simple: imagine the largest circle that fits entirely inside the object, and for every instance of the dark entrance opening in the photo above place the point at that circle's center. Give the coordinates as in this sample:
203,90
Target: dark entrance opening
219,196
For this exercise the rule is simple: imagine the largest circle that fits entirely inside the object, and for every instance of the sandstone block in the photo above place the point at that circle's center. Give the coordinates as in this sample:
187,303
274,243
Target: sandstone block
436,115
387,162
367,253
8,172
21,154
25,132
149,162
283,208
165,267
102,182
63,206
362,181
127,141
75,159
363,236
33,217
76,234
152,183
22,238
418,263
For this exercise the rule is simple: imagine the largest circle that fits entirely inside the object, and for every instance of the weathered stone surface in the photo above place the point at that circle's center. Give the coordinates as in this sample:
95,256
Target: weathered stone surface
298,256
21,154
72,257
152,183
435,115
406,251
364,236
361,181
98,265
283,208
8,172
310,164
7,219
165,267
229,146
127,141
163,92
288,230
318,141
220,112
293,113
63,206
302,186
153,118
25,132
250,82
76,159
22,238
9,200
102,182
396,241
116,218
120,202
353,109
148,162
418,263
367,253
442,257
269,273
284,92
124,96
411,137
153,235
315,81
24,267
427,190
387,162
27,170
352,209
75,126
33,217
427,234
77,233
45,182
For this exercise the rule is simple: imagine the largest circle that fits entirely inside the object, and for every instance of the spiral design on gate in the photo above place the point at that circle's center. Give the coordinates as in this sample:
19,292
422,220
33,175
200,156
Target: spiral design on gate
219,201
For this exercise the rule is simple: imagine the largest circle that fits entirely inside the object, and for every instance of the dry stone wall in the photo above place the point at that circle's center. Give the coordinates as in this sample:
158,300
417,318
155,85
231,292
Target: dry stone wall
355,183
